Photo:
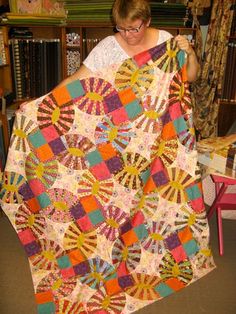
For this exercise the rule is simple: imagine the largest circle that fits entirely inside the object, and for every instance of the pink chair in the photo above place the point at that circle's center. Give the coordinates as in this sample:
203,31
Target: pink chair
223,201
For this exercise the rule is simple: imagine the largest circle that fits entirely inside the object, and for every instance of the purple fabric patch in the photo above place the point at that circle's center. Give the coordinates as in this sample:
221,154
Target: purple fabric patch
125,281
125,227
82,268
157,51
114,164
32,248
160,178
166,118
112,102
57,146
26,192
172,241
77,211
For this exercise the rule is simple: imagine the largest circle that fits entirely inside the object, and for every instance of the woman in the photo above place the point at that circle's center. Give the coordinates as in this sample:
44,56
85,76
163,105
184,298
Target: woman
134,35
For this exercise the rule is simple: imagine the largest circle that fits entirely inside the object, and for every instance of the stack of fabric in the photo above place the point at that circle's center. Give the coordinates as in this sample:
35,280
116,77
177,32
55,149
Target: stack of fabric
163,14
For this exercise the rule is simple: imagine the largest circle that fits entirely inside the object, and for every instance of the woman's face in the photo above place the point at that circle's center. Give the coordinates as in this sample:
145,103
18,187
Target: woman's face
132,31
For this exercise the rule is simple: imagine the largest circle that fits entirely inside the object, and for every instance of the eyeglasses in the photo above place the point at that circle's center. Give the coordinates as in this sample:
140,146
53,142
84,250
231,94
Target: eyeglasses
129,30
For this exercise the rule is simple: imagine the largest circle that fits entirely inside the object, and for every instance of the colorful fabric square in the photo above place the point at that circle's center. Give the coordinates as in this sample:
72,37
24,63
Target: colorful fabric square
66,267
182,245
87,213
112,286
29,242
163,289
72,264
46,308
104,161
45,301
194,194
134,230
40,146
61,95
75,89
142,58
158,176
131,109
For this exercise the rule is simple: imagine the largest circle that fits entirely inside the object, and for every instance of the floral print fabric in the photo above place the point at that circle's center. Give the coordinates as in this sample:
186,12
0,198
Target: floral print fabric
103,189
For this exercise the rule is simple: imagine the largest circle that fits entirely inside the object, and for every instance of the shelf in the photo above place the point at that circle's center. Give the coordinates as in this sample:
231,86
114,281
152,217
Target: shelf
227,102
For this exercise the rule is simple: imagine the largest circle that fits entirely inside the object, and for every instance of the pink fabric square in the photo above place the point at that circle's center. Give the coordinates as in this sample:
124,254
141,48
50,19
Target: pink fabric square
100,171
179,254
26,236
37,187
50,133
138,219
142,58
67,272
85,224
120,115
156,166
122,270
197,205
175,111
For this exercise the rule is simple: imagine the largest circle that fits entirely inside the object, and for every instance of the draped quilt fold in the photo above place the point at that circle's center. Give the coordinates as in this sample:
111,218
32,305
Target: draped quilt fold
103,188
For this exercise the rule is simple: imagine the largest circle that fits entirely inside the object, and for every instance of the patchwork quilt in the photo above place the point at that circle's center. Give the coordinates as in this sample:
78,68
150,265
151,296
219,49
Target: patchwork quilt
103,188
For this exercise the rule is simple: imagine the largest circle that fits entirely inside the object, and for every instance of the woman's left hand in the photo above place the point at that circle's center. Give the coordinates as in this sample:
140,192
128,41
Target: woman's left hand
184,44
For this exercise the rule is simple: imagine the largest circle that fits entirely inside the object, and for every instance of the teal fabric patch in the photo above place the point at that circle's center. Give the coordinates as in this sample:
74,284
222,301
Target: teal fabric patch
64,262
181,58
75,89
46,308
163,290
96,217
94,158
44,200
145,175
37,139
191,247
193,192
133,109
141,231
180,125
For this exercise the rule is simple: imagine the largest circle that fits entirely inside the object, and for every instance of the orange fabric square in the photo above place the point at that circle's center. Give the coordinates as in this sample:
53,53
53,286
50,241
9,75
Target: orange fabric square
112,286
126,96
130,237
44,297
61,95
185,235
107,151
76,257
89,203
175,284
184,73
150,186
168,131
34,205
44,152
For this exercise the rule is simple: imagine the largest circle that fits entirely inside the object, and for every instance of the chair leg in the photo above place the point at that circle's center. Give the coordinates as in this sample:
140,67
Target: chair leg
219,193
220,231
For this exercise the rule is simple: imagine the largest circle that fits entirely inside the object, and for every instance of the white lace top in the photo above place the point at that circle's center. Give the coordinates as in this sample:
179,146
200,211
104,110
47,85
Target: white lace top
108,51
